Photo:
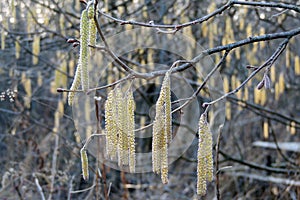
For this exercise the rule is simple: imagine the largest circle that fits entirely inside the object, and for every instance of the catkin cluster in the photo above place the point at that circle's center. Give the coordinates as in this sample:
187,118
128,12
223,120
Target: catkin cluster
119,127
162,130
87,36
205,158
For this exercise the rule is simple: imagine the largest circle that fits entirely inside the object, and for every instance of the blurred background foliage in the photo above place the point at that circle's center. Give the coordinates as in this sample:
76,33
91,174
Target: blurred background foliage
38,139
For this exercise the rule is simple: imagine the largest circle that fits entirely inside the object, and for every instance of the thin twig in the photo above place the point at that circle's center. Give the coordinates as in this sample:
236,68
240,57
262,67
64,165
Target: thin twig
269,62
40,190
203,83
280,152
53,169
217,162
218,11
259,167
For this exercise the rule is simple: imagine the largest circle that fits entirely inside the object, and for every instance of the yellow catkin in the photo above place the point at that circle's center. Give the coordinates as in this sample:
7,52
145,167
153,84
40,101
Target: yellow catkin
266,130
111,125
62,24
293,128
249,30
75,85
84,53
39,79
233,82
3,36
60,108
273,74
162,127
122,128
277,92
281,83
239,93
237,53
263,98
204,29
204,156
246,94
168,109
228,110
297,65
262,31
17,48
226,84
257,96
131,126
287,57
92,29
35,49
84,164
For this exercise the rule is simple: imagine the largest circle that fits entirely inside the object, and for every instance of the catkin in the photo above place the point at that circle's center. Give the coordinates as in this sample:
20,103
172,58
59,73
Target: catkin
75,85
297,65
84,164
17,48
162,130
35,49
131,126
110,125
84,53
92,29
122,129
205,158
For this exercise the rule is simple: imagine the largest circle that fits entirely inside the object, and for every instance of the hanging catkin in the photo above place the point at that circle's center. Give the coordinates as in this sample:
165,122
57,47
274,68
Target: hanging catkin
75,85
84,53
131,126
84,164
162,130
92,29
111,125
205,158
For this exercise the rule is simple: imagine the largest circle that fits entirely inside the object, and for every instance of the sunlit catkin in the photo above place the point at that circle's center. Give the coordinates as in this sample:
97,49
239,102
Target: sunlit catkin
281,83
162,130
35,49
84,164
205,158
168,108
75,85
266,129
17,48
297,65
84,53
92,29
122,128
111,125
131,126
293,127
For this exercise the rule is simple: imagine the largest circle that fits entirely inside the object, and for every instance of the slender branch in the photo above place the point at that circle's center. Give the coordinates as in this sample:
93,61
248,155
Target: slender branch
218,11
40,190
110,85
280,152
203,83
265,112
217,162
269,62
259,167
268,4
53,169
